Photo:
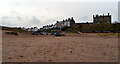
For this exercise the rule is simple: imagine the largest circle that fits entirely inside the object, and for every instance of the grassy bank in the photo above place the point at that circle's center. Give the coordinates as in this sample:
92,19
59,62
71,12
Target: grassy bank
13,30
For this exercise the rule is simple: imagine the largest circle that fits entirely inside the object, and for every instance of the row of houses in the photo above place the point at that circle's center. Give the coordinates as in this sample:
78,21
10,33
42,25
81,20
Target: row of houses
70,22
61,24
32,29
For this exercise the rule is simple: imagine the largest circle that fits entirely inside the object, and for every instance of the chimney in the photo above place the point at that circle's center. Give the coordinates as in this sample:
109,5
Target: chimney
108,14
66,19
69,19
103,14
57,21
63,20
97,15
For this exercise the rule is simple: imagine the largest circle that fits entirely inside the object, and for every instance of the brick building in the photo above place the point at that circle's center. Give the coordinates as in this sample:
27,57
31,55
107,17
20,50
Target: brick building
102,19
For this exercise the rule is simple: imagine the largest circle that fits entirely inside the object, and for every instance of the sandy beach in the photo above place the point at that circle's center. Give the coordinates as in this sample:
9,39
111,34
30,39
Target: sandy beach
49,48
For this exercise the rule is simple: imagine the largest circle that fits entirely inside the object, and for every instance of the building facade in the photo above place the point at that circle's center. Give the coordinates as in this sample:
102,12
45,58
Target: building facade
102,19
34,29
65,23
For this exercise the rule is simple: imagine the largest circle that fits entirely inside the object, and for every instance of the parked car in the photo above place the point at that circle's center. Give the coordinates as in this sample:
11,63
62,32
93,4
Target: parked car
34,32
53,33
60,33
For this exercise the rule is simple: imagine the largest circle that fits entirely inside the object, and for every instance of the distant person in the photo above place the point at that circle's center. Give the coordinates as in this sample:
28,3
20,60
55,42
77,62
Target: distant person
64,33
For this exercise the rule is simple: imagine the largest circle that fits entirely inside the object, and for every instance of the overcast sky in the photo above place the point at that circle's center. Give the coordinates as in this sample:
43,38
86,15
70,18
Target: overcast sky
30,13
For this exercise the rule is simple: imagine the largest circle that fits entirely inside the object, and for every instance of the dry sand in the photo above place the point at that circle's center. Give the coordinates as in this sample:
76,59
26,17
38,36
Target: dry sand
69,48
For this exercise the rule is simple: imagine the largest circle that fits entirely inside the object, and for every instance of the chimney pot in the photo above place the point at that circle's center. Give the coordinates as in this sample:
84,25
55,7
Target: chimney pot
108,14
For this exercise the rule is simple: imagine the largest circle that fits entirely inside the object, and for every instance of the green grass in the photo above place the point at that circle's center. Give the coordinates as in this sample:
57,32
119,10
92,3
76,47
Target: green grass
13,29
14,33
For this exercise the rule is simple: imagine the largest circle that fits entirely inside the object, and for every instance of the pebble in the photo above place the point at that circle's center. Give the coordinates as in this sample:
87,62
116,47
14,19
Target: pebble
71,51
21,56
47,51
9,58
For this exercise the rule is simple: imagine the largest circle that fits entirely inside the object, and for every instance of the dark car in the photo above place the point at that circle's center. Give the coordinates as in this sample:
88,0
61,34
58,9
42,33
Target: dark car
58,34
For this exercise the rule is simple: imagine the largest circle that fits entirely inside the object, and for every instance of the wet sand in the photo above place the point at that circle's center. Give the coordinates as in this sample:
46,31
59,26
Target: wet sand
49,48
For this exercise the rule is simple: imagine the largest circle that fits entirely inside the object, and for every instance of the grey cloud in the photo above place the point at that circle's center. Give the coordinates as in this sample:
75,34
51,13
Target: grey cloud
48,12
85,18
7,21
17,3
34,20
19,18
51,20
14,12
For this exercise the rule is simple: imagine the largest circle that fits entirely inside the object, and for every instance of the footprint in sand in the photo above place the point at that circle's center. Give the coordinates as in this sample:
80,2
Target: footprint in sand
34,53
44,57
28,60
104,54
47,51
50,60
15,50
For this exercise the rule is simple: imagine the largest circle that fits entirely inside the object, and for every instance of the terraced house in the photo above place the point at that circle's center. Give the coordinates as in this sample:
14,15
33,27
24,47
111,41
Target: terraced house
65,23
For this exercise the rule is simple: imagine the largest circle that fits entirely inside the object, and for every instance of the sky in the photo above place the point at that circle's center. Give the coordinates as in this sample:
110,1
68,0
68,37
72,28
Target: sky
31,13
119,11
